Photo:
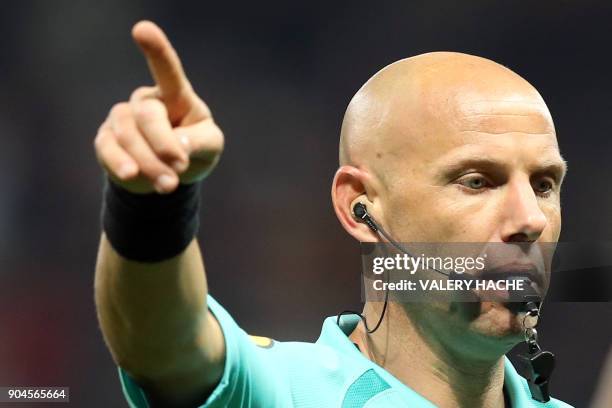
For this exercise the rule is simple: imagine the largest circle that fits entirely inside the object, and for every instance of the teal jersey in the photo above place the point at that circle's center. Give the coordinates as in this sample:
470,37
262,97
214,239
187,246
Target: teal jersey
332,372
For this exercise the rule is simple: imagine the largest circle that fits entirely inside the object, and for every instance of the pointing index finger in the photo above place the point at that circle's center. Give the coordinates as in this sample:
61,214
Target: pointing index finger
163,61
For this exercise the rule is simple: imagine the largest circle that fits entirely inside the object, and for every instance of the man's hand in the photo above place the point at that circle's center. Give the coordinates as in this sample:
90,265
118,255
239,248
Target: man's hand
165,133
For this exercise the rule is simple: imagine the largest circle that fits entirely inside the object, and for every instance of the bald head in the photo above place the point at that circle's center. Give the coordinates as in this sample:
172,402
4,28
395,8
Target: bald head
417,102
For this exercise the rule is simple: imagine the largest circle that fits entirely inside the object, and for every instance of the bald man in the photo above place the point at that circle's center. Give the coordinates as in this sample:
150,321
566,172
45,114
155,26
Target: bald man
441,147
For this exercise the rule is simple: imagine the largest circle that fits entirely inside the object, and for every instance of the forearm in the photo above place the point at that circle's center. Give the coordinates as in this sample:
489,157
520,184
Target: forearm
149,312
155,322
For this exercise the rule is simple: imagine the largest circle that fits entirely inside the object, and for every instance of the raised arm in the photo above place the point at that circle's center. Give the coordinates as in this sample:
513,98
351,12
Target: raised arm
152,305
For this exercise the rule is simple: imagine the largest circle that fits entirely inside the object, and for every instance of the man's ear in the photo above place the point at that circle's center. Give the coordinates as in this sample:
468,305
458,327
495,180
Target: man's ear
351,186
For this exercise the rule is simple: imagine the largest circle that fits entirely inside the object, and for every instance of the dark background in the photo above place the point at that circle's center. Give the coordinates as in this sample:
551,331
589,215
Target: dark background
278,76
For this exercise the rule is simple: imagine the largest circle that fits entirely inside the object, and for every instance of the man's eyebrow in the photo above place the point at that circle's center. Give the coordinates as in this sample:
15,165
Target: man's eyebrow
453,167
556,167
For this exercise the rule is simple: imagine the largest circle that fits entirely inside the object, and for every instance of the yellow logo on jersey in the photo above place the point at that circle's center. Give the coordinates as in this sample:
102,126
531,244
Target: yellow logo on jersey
264,342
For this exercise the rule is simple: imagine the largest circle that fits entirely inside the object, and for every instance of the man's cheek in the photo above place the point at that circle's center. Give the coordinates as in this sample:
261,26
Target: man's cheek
553,227
463,225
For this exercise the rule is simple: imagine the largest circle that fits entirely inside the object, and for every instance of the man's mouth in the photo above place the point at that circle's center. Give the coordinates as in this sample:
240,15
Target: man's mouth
518,282
513,272
508,283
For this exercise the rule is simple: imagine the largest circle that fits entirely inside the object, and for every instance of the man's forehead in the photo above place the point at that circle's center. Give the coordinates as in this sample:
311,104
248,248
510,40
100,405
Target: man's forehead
498,116
526,136
479,124
500,139
540,148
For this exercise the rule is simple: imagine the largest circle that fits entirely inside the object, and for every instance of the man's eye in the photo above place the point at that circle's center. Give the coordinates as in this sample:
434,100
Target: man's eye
543,186
474,182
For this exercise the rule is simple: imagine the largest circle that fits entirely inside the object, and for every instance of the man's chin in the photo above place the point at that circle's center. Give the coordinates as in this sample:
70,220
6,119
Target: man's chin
496,320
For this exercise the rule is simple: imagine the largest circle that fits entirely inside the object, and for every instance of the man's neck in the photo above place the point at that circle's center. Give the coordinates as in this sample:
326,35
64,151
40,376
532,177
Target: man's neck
443,376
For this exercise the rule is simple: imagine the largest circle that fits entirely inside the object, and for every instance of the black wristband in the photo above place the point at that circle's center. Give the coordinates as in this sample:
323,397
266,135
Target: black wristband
150,227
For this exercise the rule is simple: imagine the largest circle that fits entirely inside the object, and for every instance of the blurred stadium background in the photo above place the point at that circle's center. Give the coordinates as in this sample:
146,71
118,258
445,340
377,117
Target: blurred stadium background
278,76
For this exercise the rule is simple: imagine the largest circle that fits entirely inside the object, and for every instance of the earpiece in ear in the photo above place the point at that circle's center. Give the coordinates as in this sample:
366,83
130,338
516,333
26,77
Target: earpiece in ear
361,212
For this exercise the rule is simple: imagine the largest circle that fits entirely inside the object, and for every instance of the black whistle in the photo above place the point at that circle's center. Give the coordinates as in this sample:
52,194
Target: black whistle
540,365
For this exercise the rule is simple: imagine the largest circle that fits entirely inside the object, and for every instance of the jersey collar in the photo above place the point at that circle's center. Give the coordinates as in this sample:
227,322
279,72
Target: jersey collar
336,336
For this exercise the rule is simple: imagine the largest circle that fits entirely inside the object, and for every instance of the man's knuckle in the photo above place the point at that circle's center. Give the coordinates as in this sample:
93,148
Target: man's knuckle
104,155
123,136
221,142
148,110
129,141
143,92
98,141
103,136
218,132
202,107
119,109
217,136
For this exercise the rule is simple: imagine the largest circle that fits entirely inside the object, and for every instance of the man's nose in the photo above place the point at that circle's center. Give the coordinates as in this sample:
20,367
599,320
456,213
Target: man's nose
524,220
